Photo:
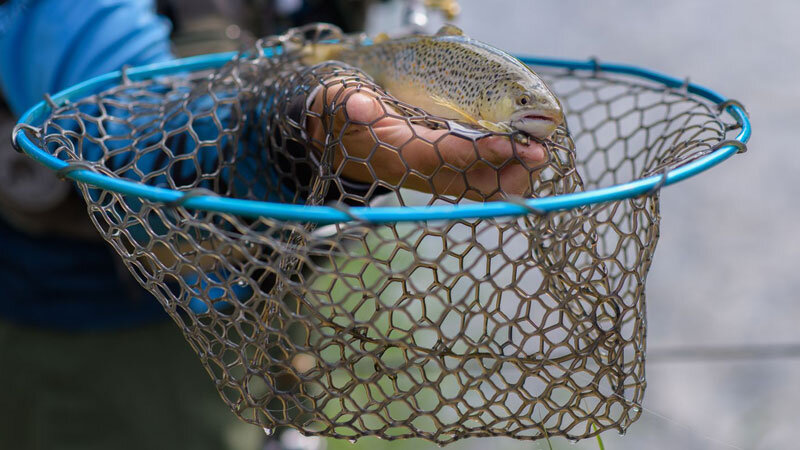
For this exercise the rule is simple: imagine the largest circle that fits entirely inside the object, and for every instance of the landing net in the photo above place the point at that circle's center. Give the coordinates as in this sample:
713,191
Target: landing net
527,326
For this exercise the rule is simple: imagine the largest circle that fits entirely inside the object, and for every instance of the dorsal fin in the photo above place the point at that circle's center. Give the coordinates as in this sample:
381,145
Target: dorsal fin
449,30
381,37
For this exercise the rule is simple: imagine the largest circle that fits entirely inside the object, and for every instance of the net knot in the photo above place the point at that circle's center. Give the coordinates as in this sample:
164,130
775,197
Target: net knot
741,146
664,174
341,207
596,67
124,74
685,85
74,166
192,193
21,128
51,102
731,102
522,202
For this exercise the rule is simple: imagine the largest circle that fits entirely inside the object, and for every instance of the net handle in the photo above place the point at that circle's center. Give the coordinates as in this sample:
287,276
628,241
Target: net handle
383,214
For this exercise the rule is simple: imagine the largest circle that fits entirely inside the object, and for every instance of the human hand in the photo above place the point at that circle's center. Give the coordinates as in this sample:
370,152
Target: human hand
417,157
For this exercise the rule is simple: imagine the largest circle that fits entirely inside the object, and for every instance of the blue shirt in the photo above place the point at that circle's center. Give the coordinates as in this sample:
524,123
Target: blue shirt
47,46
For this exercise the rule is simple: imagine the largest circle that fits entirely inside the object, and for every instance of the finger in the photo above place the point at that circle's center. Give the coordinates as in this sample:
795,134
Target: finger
365,107
361,106
456,151
485,183
396,151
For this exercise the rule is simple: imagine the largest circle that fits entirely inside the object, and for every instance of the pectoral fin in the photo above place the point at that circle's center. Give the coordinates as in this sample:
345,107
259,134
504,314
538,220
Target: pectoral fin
504,128
496,127
453,107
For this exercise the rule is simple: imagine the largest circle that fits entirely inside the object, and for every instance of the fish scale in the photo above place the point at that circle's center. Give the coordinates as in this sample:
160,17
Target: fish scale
456,77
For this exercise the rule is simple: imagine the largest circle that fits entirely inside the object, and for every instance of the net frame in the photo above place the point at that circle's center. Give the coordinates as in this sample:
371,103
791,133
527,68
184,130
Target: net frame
323,214
200,200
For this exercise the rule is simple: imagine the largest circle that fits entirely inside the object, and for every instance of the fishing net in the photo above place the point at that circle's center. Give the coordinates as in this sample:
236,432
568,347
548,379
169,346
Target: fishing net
529,327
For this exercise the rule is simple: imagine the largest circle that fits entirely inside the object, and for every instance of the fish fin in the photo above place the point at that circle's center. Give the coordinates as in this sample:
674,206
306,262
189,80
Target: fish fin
449,30
381,37
452,107
496,127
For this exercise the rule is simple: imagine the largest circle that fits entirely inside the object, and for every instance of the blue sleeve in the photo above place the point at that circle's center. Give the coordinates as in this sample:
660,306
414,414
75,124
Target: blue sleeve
49,45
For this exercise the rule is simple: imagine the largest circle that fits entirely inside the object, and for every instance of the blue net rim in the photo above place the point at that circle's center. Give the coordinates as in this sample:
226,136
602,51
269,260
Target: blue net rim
387,214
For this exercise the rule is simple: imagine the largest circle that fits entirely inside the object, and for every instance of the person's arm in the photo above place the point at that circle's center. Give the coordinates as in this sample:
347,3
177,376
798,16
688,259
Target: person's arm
49,45
52,44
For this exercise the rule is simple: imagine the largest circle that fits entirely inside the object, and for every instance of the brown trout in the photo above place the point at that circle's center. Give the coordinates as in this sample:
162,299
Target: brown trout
454,77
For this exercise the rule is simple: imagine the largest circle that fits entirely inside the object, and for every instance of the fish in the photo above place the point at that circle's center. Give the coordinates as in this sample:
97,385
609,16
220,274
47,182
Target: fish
454,77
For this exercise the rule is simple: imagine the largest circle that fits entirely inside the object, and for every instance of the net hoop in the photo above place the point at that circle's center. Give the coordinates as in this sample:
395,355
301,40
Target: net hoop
520,318
385,214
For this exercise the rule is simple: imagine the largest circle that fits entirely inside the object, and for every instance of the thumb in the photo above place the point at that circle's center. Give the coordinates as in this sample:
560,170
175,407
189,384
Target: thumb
363,108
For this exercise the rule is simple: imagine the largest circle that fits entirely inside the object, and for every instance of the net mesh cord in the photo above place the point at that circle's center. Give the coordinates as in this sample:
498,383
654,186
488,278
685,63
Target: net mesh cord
527,327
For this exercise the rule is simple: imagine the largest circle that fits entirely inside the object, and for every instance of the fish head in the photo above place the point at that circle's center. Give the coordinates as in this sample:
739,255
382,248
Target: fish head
526,105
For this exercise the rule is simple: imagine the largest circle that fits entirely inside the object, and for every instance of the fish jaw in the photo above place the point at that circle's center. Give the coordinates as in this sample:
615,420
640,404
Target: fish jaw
537,123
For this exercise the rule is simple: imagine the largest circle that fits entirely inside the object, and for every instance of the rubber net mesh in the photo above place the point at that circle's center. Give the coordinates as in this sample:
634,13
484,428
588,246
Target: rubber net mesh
526,327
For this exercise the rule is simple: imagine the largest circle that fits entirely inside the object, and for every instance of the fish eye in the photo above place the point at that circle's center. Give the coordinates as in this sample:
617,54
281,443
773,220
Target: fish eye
523,100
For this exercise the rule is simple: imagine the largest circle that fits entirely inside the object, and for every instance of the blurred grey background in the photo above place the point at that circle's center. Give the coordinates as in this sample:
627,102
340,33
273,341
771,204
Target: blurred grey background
723,363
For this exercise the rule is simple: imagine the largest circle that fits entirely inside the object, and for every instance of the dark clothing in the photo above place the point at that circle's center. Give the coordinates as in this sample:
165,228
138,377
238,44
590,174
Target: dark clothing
47,46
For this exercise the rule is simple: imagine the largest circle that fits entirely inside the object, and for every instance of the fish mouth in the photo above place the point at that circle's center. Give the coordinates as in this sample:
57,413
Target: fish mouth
537,123
541,117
